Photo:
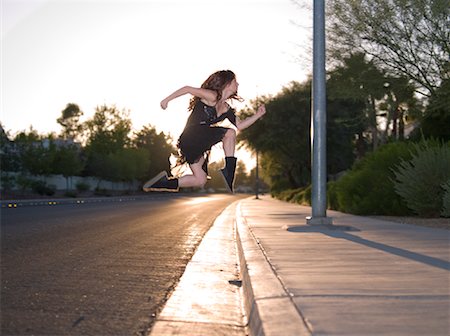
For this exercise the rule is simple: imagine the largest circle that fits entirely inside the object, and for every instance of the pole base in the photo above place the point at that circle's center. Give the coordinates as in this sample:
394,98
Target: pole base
319,220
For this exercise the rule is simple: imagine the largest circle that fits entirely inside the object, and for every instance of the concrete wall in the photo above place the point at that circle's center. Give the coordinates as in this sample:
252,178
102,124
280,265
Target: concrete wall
61,183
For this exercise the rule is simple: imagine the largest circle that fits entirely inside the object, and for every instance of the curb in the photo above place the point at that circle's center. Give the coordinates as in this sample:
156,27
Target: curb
268,305
207,299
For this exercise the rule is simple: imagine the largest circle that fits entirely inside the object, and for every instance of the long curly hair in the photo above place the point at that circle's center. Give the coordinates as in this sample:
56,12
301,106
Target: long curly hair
216,82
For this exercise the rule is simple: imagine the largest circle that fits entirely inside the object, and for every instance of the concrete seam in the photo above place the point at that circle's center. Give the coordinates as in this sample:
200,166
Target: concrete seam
201,322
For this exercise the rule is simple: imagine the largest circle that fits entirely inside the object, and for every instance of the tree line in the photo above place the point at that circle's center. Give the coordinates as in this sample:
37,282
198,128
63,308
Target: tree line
387,81
103,147
388,113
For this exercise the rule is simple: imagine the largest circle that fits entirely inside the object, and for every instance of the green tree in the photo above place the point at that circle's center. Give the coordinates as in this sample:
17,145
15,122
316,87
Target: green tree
9,159
108,130
242,178
407,38
345,133
361,81
282,136
107,133
68,162
70,121
376,98
217,181
128,165
36,153
400,104
98,165
158,147
436,119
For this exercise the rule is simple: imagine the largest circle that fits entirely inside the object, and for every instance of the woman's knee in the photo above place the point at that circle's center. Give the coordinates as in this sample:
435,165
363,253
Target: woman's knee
230,134
201,179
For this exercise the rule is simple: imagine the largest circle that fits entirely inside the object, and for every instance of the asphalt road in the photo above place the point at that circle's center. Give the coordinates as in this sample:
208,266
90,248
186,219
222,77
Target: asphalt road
97,269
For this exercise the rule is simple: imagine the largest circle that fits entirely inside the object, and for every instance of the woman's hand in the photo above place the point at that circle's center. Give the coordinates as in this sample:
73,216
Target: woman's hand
243,124
261,111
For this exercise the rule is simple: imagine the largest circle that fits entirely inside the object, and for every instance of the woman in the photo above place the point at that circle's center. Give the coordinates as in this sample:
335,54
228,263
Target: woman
208,106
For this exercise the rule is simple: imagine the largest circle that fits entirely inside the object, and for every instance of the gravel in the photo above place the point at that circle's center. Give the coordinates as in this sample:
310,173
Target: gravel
441,223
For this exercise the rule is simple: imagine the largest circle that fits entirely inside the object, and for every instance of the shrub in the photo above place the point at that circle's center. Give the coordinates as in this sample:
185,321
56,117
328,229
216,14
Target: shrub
102,192
368,188
420,180
332,202
41,188
300,196
286,195
81,186
306,196
71,194
7,181
446,200
24,182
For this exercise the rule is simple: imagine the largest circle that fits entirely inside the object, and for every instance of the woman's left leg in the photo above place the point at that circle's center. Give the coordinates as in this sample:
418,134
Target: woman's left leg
162,182
198,177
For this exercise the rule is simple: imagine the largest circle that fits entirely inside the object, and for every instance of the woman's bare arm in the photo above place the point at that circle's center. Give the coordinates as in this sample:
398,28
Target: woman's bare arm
208,96
242,124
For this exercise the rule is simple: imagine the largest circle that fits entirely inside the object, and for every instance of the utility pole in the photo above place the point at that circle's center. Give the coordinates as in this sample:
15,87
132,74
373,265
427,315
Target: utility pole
318,121
257,177
257,154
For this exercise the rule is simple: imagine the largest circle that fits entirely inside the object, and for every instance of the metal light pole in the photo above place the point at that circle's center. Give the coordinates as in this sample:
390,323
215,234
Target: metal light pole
257,155
318,121
257,177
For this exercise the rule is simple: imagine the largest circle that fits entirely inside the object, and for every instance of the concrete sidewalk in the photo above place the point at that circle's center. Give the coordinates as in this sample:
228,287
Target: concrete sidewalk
361,277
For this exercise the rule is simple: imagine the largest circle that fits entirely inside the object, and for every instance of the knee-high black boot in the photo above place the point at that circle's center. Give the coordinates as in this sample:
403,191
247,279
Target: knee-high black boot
161,183
205,167
228,171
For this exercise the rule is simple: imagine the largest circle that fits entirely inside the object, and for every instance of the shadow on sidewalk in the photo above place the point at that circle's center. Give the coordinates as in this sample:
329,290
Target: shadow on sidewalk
341,234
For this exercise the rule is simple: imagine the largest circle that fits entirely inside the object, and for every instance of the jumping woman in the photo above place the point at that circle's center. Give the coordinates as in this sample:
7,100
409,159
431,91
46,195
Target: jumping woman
208,106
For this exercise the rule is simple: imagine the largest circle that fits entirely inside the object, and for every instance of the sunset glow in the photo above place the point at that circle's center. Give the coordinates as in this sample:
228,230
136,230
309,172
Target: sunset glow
133,53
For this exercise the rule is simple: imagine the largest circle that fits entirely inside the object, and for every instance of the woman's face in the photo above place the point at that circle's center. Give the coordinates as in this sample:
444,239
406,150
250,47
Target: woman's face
233,86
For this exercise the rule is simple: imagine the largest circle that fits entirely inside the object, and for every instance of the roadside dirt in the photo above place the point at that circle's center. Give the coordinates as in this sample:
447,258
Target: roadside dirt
441,223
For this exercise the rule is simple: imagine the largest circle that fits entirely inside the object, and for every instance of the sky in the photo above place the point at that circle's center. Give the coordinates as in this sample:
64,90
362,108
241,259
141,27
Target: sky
133,53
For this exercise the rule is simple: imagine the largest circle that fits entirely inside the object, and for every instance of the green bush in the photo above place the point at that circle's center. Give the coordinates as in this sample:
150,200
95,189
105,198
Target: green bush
286,195
306,196
81,186
446,200
71,194
420,180
24,182
332,202
368,188
300,196
102,192
7,181
41,188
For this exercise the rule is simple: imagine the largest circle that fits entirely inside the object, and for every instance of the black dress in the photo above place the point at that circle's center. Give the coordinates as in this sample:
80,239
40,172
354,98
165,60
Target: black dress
200,134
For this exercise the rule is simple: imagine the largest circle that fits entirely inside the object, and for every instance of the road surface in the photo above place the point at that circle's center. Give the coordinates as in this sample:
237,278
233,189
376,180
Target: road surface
97,269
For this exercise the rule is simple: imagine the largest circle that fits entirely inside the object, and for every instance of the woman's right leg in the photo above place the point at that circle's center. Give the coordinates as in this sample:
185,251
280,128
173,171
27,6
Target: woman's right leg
229,144
198,177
